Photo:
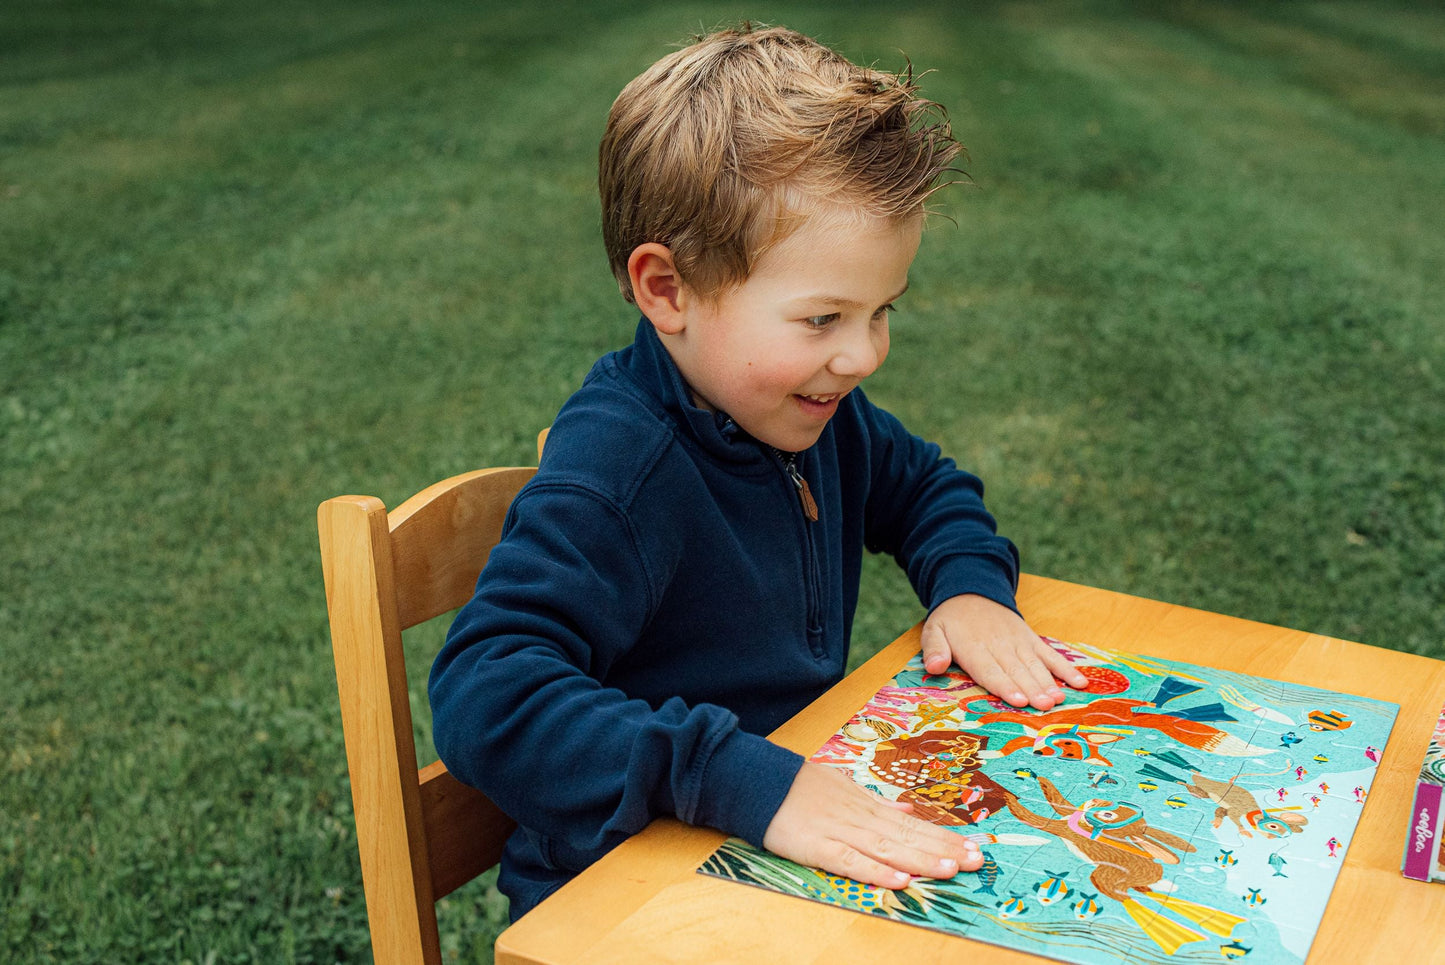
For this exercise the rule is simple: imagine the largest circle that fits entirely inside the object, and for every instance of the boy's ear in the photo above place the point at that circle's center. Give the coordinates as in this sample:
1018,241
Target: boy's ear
657,287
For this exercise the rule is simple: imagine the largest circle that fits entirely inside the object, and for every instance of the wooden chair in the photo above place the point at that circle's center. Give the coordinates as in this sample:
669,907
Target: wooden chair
422,834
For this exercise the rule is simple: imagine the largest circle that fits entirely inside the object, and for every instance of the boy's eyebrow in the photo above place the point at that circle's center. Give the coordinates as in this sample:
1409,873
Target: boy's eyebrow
837,300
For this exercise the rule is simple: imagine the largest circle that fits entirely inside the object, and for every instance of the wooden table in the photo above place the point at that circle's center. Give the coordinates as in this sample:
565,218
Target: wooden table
645,902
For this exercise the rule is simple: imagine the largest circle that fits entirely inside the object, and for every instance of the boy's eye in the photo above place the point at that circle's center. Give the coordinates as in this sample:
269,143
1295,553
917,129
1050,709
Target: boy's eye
823,321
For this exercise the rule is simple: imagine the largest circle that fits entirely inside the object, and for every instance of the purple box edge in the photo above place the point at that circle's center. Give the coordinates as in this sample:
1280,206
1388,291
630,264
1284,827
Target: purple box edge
1421,844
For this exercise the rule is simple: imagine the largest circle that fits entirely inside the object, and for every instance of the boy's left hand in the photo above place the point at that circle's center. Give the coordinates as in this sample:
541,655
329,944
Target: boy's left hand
994,646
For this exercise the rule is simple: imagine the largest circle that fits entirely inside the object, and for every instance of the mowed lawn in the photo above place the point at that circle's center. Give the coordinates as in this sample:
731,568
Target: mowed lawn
1185,321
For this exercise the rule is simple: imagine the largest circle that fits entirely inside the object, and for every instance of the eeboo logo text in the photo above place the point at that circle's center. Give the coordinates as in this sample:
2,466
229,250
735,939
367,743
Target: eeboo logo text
1423,834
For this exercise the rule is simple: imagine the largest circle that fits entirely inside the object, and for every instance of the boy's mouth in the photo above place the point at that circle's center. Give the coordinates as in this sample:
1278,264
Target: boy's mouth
819,406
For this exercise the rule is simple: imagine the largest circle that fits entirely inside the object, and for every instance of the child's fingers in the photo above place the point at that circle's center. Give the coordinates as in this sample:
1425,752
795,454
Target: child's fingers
987,672
992,676
1006,662
1030,673
852,863
1022,659
894,868
1060,667
1019,678
912,843
909,847
893,828
829,822
860,867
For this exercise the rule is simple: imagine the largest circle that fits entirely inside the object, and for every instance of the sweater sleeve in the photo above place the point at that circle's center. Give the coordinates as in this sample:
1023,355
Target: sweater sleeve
520,712
930,516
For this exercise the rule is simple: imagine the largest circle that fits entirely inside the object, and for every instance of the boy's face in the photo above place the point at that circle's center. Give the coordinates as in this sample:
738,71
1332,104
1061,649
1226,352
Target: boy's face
779,352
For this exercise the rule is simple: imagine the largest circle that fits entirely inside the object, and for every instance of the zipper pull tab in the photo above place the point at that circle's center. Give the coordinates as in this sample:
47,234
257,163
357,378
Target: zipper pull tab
805,495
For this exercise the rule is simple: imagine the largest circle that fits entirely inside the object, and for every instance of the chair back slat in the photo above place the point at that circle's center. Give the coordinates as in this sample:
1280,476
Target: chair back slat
442,536
376,722
423,834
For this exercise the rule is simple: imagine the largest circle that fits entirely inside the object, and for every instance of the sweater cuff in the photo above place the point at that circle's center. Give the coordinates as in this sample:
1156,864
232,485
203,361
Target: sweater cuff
746,779
965,574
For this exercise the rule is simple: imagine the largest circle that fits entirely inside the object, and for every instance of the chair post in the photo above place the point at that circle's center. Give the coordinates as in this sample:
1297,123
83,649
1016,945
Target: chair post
376,713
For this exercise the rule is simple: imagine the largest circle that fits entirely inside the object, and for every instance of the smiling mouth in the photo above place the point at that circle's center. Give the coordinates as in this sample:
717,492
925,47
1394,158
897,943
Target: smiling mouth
820,405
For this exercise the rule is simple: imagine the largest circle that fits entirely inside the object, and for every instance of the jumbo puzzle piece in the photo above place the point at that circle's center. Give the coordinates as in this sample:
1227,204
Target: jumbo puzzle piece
1169,813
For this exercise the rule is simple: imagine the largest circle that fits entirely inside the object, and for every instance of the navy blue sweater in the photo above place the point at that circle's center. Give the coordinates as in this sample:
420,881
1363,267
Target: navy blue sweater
659,601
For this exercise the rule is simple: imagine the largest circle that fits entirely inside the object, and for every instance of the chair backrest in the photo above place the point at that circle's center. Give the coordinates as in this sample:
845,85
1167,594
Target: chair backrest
422,834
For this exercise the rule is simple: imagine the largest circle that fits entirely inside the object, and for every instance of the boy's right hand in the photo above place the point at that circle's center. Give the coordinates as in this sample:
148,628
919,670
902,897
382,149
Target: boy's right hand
829,822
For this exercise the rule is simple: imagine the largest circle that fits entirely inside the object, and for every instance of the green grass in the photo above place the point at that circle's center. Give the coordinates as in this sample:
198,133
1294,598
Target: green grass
1186,323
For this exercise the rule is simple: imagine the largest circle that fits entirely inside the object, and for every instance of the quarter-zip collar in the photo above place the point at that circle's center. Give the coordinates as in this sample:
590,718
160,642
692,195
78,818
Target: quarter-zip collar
647,363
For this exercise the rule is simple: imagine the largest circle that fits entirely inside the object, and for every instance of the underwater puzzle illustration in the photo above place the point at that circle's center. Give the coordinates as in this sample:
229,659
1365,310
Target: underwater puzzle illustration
1169,813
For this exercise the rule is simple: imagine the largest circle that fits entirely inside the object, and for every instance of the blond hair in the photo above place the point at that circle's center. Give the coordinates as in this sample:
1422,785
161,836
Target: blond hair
719,150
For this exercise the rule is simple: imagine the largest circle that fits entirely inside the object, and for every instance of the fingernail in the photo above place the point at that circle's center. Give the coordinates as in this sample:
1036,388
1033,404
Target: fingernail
948,866
900,877
1018,698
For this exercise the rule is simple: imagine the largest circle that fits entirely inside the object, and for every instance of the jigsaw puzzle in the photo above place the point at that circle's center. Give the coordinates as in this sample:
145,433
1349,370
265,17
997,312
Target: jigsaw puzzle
1169,813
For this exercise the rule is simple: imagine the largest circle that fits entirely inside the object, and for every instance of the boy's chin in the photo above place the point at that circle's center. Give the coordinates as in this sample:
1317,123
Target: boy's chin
789,441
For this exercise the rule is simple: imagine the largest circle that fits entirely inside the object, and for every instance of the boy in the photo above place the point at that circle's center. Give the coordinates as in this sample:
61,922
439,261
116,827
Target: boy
681,575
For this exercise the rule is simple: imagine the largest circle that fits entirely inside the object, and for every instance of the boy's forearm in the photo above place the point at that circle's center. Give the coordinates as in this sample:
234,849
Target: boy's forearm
586,766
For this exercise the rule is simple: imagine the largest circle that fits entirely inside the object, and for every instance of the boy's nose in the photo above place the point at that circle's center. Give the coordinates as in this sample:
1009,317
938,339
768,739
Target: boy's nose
861,354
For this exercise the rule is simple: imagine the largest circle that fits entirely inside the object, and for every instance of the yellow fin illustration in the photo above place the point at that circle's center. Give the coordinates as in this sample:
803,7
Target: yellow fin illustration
1210,919
1168,934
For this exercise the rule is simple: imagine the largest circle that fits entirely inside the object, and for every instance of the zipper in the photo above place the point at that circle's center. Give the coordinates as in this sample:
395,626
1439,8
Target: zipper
813,593
805,495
